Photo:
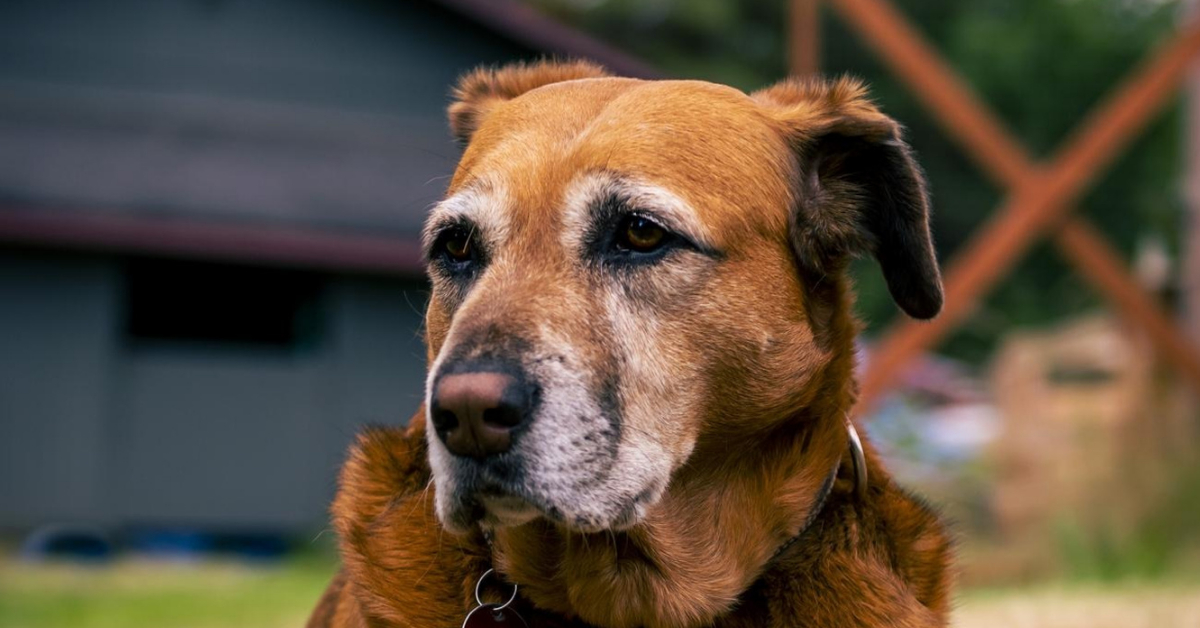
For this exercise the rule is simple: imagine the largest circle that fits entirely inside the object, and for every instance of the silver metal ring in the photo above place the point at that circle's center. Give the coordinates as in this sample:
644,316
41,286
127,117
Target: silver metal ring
860,460
479,600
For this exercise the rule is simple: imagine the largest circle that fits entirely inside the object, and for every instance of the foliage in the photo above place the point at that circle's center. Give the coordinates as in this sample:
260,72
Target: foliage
1040,64
1163,543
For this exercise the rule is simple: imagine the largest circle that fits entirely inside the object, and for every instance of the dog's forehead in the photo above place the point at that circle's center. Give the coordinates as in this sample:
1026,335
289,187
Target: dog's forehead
710,145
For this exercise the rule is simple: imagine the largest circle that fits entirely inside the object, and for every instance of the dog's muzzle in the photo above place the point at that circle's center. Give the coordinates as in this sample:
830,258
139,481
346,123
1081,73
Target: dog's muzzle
514,438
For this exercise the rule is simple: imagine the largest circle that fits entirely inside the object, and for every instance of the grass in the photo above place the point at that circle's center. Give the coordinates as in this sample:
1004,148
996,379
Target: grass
135,594
141,594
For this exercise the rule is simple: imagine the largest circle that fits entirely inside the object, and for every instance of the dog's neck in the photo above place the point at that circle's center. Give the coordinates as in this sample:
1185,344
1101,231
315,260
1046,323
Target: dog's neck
707,541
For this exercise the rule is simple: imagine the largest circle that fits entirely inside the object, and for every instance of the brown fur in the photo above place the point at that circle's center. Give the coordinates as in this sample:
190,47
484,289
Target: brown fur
758,350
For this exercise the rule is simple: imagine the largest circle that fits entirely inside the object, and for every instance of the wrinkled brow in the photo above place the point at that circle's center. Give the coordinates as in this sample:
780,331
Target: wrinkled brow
482,207
595,193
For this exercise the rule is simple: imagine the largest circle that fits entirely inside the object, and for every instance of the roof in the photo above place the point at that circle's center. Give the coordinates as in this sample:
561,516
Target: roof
540,32
335,174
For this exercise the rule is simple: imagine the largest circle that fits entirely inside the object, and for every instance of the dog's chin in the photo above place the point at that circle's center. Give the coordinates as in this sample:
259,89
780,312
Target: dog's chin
493,511
506,512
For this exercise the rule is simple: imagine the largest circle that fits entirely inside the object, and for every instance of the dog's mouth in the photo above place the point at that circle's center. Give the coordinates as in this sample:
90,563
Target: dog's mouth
488,494
480,500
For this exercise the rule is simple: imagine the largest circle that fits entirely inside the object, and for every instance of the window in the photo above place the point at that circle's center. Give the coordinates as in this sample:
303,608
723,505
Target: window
171,300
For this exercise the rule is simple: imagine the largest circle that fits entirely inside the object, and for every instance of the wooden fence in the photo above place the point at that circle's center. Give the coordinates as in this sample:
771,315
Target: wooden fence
1040,194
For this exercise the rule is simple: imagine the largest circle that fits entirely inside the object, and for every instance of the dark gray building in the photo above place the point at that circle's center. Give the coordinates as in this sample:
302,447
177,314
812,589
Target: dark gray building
209,273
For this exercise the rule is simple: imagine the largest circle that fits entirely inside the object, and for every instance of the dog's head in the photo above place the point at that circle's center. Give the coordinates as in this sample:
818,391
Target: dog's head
622,268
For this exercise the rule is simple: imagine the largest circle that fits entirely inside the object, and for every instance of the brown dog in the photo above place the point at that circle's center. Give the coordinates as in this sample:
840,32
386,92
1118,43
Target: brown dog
641,359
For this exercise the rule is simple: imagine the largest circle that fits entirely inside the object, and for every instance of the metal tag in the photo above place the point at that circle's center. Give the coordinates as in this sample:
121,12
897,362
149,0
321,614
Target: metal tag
493,615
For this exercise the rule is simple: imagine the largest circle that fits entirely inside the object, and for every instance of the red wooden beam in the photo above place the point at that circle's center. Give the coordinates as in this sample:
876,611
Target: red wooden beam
967,118
804,42
930,80
1103,269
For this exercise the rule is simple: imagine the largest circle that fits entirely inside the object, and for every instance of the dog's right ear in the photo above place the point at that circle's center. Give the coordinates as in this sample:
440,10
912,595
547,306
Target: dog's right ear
860,191
482,89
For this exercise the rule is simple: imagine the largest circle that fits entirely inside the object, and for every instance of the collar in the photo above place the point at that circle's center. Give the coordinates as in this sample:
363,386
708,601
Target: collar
859,462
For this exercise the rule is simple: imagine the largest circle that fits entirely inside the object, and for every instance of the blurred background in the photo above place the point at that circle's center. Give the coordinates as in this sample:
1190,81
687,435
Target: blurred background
210,278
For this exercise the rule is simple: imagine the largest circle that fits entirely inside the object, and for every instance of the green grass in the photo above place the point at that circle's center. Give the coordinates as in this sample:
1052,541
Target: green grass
135,594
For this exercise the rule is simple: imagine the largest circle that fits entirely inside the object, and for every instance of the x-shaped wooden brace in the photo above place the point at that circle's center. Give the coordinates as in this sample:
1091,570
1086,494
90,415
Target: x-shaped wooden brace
1039,197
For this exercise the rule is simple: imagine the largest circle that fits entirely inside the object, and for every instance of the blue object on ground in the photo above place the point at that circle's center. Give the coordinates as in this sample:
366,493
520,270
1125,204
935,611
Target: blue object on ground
73,542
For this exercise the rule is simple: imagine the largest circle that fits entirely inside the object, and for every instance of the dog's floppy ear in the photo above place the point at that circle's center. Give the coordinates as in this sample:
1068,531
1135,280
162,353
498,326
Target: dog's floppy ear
482,89
859,191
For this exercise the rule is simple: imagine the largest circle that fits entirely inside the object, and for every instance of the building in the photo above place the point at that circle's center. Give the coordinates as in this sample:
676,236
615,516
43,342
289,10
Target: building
209,269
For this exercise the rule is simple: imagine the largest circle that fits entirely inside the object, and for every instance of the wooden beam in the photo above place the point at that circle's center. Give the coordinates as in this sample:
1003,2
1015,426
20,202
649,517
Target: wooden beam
1003,158
899,46
804,37
1103,267
1038,204
966,118
1190,232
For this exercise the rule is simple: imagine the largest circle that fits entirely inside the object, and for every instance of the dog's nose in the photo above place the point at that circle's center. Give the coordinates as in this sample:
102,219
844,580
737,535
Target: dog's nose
475,413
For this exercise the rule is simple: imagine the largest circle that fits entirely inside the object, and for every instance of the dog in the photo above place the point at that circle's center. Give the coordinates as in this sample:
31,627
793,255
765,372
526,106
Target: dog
641,368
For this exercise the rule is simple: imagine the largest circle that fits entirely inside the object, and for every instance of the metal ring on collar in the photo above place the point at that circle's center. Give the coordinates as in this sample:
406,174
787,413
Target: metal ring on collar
860,460
479,585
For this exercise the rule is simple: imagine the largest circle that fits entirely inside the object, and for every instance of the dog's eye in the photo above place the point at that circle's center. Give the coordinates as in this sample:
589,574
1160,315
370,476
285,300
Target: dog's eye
456,245
640,234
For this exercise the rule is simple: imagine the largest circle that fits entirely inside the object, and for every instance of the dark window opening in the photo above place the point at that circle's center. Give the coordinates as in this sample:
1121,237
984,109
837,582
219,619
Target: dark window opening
229,304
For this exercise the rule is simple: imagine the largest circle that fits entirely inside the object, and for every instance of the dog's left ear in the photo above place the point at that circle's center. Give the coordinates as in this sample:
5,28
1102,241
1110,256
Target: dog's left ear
479,91
860,190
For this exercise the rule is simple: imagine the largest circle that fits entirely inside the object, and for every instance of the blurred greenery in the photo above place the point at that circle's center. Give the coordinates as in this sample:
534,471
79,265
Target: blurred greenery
1161,544
1041,65
131,594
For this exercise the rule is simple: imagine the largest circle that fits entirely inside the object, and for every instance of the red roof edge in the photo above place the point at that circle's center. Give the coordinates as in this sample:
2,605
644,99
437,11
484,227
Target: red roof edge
526,25
295,247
